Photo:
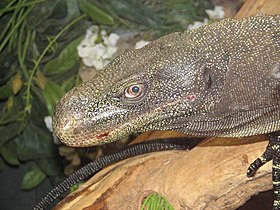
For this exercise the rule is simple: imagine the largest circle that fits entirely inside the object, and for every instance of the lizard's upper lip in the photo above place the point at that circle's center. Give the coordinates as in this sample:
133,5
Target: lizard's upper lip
69,130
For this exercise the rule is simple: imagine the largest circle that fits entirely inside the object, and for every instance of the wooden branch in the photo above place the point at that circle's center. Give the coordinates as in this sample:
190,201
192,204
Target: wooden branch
253,7
211,176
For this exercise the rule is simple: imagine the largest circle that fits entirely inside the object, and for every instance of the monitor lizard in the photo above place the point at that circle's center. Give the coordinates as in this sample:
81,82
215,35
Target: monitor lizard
219,80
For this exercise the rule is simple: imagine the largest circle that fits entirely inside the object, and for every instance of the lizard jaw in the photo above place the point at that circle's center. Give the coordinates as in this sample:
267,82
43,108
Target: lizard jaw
82,139
72,133
75,134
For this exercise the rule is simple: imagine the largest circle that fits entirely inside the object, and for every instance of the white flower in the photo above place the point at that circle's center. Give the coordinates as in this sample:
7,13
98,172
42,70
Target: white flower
141,44
217,13
111,51
197,24
111,40
97,54
90,37
98,64
48,123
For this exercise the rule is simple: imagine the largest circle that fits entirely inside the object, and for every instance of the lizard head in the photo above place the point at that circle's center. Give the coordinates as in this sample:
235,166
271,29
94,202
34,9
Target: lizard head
143,89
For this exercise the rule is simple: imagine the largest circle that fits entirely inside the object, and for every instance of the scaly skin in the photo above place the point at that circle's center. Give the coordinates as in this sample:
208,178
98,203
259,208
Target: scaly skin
219,80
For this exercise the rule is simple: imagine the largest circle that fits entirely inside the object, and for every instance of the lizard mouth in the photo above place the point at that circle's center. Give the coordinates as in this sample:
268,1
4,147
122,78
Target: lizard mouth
74,130
102,135
82,138
75,134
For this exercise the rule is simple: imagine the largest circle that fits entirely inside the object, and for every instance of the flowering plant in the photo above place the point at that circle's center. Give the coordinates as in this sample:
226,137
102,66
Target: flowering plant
97,54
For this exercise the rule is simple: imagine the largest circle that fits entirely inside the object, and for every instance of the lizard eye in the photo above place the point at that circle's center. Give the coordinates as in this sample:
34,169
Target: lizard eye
133,91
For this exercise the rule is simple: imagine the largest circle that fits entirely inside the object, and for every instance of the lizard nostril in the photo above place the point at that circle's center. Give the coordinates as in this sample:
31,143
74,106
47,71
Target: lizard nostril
68,123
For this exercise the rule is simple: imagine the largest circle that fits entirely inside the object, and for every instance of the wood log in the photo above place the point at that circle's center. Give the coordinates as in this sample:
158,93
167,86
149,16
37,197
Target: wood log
211,176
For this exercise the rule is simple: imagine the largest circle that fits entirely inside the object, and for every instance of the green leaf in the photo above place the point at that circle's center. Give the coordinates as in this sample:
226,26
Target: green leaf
41,12
8,132
64,12
34,143
32,177
52,93
5,91
49,166
9,156
69,83
1,166
95,13
55,180
12,114
133,10
76,186
39,109
155,201
66,60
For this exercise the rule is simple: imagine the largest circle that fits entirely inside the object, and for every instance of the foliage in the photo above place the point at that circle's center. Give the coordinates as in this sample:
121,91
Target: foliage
155,201
39,63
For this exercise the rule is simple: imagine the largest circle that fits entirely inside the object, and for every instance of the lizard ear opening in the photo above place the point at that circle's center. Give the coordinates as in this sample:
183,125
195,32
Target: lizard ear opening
207,77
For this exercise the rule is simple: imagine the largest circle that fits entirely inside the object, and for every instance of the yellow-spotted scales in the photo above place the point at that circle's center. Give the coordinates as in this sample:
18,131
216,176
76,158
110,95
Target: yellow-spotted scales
218,80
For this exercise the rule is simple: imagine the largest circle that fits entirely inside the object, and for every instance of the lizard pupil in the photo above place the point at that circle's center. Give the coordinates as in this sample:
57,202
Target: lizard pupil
135,89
